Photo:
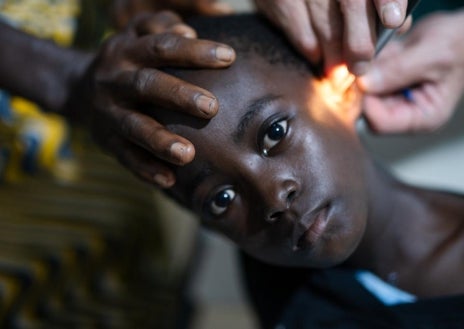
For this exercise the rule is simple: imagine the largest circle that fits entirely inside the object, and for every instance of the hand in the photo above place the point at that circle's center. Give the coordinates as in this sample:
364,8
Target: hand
334,31
430,62
124,10
124,77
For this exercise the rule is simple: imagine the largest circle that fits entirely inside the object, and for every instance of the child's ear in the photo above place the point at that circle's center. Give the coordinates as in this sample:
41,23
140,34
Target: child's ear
352,103
345,103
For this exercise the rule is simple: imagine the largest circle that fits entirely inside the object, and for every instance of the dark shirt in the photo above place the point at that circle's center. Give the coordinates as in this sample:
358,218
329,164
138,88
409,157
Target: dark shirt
289,298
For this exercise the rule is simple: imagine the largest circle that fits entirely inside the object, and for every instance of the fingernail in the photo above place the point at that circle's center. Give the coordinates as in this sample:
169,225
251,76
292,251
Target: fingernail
205,104
177,150
183,153
391,15
360,68
370,81
162,180
224,54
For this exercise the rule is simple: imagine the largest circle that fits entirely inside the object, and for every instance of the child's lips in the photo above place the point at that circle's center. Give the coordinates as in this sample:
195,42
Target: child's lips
310,228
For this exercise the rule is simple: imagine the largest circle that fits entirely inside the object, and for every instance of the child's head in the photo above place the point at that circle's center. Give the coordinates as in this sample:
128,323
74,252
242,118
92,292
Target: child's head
276,159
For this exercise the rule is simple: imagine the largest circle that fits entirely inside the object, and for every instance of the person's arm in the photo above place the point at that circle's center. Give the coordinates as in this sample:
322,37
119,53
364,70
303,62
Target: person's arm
37,69
429,63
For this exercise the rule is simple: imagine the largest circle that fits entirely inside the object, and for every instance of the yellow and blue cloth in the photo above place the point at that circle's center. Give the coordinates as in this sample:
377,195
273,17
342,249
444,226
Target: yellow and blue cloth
31,140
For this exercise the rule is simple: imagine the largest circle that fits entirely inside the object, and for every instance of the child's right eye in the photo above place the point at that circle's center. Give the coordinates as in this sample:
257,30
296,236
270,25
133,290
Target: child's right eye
274,134
221,201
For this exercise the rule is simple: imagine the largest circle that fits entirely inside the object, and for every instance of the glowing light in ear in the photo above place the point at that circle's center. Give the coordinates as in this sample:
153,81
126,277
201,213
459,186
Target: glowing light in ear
341,78
334,89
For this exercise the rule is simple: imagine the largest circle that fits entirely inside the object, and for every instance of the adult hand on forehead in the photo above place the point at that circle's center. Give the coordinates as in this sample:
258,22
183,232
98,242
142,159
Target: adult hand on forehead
124,78
429,61
124,10
334,31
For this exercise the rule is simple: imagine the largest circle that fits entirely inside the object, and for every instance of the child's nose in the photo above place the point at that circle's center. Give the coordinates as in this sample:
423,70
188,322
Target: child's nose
280,197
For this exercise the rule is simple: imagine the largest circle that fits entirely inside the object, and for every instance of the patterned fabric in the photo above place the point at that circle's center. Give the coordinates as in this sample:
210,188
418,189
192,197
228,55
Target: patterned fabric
51,19
30,140
94,248
86,254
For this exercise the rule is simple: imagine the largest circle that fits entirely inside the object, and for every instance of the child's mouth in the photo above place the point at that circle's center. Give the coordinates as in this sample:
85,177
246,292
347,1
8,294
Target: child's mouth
309,230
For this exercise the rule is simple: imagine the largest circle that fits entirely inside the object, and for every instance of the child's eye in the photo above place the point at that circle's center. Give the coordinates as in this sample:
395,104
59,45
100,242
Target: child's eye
274,134
221,201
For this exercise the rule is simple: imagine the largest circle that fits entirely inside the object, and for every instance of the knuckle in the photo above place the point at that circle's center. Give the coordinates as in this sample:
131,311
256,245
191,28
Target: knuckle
132,126
361,50
349,5
165,44
154,140
167,17
142,80
129,123
181,95
308,43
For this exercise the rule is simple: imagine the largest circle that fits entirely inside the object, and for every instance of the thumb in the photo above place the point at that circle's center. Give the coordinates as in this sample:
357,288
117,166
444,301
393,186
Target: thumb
402,68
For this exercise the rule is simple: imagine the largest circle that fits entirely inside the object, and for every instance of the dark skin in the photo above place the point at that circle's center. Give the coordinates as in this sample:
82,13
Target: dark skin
106,89
295,186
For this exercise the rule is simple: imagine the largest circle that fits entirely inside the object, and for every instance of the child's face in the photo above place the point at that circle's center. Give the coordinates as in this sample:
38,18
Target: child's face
276,170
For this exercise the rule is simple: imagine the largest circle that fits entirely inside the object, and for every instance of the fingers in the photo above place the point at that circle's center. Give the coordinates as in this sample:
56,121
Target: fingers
293,17
295,21
162,22
175,50
140,162
150,135
428,65
359,34
156,87
335,31
327,22
392,13
390,114
395,114
397,71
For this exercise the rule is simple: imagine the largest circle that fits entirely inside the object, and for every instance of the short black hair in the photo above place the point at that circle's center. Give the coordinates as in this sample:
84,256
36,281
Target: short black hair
251,34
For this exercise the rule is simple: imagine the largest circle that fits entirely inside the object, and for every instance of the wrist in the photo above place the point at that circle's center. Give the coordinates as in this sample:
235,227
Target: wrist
39,70
75,86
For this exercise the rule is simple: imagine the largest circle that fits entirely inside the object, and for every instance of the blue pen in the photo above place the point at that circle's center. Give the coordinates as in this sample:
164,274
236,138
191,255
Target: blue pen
407,94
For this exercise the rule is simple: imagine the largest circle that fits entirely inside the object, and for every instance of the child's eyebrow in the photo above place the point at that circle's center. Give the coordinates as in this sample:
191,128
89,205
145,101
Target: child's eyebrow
205,172
253,109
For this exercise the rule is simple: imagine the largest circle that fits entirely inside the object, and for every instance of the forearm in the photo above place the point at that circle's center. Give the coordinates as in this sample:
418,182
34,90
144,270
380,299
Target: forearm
39,70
